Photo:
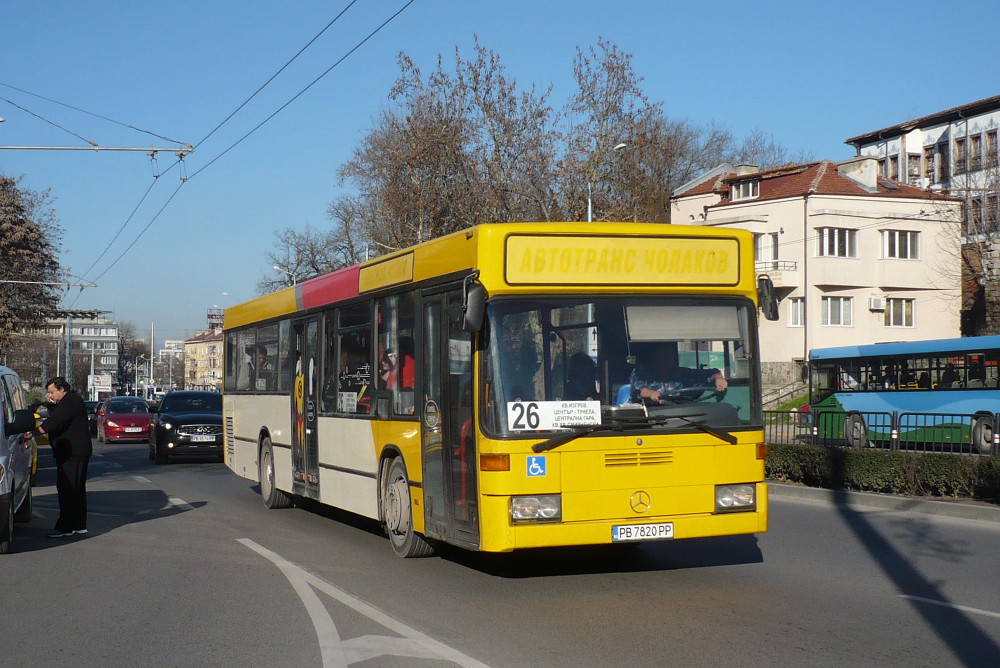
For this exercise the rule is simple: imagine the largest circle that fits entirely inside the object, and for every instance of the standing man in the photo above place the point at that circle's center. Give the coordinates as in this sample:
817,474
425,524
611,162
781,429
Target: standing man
69,435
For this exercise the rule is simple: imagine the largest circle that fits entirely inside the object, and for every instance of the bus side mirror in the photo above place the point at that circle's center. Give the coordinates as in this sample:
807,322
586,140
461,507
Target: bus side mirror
475,307
766,297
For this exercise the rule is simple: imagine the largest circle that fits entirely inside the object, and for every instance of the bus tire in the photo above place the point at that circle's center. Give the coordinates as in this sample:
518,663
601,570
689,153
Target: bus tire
397,514
273,497
982,434
855,431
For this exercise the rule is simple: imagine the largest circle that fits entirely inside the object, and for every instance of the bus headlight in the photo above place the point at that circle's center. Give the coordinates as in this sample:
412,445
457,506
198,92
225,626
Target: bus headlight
735,497
539,508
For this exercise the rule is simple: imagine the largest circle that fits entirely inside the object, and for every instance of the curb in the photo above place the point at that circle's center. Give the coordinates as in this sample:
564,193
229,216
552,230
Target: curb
958,509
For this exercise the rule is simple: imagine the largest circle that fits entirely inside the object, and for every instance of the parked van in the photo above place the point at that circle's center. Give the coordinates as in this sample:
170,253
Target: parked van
16,456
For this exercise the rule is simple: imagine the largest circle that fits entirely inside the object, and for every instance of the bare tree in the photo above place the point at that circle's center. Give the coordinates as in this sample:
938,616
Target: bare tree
129,349
302,254
464,145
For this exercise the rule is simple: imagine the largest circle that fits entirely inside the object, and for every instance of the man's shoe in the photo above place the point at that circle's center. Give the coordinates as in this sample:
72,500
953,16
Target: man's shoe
59,534
80,531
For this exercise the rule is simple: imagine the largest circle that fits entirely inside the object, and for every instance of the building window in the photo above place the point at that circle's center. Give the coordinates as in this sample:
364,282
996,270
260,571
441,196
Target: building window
944,162
960,156
894,167
766,251
991,149
913,168
975,152
991,214
900,244
929,164
746,190
837,311
881,167
899,312
797,312
836,242
974,220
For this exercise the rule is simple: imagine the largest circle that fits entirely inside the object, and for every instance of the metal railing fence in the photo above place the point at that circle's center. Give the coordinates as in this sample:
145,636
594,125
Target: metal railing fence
956,433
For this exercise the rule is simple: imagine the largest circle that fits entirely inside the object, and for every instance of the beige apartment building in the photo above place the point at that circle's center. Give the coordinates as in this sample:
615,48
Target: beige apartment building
855,258
203,361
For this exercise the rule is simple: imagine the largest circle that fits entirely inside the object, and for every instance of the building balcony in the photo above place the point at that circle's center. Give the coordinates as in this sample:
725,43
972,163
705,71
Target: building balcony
783,273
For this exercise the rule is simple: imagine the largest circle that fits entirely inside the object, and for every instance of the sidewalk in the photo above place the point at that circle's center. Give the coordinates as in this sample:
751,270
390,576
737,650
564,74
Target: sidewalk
969,510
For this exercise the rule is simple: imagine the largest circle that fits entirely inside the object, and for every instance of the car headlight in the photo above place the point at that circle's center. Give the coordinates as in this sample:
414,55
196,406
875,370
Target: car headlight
166,425
735,497
111,423
538,508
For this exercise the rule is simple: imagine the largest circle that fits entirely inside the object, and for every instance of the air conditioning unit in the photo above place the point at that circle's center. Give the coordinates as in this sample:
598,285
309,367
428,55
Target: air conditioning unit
876,303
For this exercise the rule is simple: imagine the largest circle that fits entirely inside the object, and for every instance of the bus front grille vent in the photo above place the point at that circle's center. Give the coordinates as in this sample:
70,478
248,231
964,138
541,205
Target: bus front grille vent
644,458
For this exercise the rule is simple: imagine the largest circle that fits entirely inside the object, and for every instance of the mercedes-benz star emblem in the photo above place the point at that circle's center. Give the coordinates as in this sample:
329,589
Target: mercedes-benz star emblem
640,501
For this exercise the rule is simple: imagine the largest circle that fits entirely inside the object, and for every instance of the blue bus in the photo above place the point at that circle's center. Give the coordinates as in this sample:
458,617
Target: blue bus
938,391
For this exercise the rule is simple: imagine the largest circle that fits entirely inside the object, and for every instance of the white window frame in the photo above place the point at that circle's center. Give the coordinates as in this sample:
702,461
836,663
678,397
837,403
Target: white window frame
901,309
796,312
900,245
830,241
842,315
746,190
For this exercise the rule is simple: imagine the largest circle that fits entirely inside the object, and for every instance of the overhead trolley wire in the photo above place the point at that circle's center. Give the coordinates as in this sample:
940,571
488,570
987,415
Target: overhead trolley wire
301,92
255,128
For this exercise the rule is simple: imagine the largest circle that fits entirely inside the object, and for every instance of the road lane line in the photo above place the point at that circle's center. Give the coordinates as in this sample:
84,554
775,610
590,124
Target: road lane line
140,478
180,503
337,653
946,604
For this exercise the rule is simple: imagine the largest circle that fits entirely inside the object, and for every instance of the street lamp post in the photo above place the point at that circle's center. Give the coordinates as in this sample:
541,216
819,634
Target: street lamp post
140,357
590,187
285,271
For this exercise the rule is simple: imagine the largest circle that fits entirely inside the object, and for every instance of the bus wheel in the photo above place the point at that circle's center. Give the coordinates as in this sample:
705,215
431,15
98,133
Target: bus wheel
855,431
982,434
273,497
397,514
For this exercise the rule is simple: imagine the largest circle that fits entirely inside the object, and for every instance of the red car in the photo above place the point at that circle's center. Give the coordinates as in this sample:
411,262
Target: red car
123,419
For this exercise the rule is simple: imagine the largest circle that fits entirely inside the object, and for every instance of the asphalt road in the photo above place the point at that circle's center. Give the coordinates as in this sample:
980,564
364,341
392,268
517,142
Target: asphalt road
185,567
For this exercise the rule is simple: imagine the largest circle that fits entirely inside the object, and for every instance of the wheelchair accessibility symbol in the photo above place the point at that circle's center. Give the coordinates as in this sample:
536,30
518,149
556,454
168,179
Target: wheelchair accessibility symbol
536,466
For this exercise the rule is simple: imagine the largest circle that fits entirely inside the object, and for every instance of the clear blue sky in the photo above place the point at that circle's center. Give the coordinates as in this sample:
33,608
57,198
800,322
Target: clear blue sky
811,73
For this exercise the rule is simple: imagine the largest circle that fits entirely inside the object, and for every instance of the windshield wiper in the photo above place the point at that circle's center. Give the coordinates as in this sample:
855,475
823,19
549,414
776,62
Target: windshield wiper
562,439
619,424
697,424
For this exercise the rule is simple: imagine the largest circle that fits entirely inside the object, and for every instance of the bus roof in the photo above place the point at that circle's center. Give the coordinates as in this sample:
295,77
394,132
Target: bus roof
959,345
554,257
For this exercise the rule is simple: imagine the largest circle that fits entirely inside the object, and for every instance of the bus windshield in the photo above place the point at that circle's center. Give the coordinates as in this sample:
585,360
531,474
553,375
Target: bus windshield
592,359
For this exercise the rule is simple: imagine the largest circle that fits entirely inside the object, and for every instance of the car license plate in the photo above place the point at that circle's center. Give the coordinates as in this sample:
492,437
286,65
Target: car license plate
133,430
203,438
625,532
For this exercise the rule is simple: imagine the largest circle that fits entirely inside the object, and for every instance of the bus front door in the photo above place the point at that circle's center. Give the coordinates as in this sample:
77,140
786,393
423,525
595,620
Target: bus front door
305,443
449,433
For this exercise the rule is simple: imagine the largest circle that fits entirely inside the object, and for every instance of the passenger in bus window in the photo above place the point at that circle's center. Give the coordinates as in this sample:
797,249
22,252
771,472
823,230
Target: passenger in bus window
261,370
581,378
387,369
949,376
924,381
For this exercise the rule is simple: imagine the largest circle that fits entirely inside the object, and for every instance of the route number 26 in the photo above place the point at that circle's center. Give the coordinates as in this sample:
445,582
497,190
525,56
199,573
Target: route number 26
525,416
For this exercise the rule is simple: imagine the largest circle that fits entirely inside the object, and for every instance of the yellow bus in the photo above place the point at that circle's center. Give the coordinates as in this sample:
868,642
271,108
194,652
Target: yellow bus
510,386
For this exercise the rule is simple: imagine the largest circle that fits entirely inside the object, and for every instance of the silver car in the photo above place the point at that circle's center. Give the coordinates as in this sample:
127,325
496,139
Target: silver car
16,455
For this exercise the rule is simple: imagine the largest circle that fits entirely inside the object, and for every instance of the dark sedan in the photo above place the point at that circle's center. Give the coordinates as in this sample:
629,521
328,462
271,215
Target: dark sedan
187,422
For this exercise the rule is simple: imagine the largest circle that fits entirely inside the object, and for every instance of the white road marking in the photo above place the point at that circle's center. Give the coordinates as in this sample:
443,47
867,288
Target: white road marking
963,608
180,503
141,478
337,653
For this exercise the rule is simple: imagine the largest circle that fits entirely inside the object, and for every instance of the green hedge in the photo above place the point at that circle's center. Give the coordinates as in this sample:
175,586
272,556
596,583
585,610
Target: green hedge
916,474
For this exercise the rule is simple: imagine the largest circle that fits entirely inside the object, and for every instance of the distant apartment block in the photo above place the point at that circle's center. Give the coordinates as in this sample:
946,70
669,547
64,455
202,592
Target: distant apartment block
955,151
855,257
203,361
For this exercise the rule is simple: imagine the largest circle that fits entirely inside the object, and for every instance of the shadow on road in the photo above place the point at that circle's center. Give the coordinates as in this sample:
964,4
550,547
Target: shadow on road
969,644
